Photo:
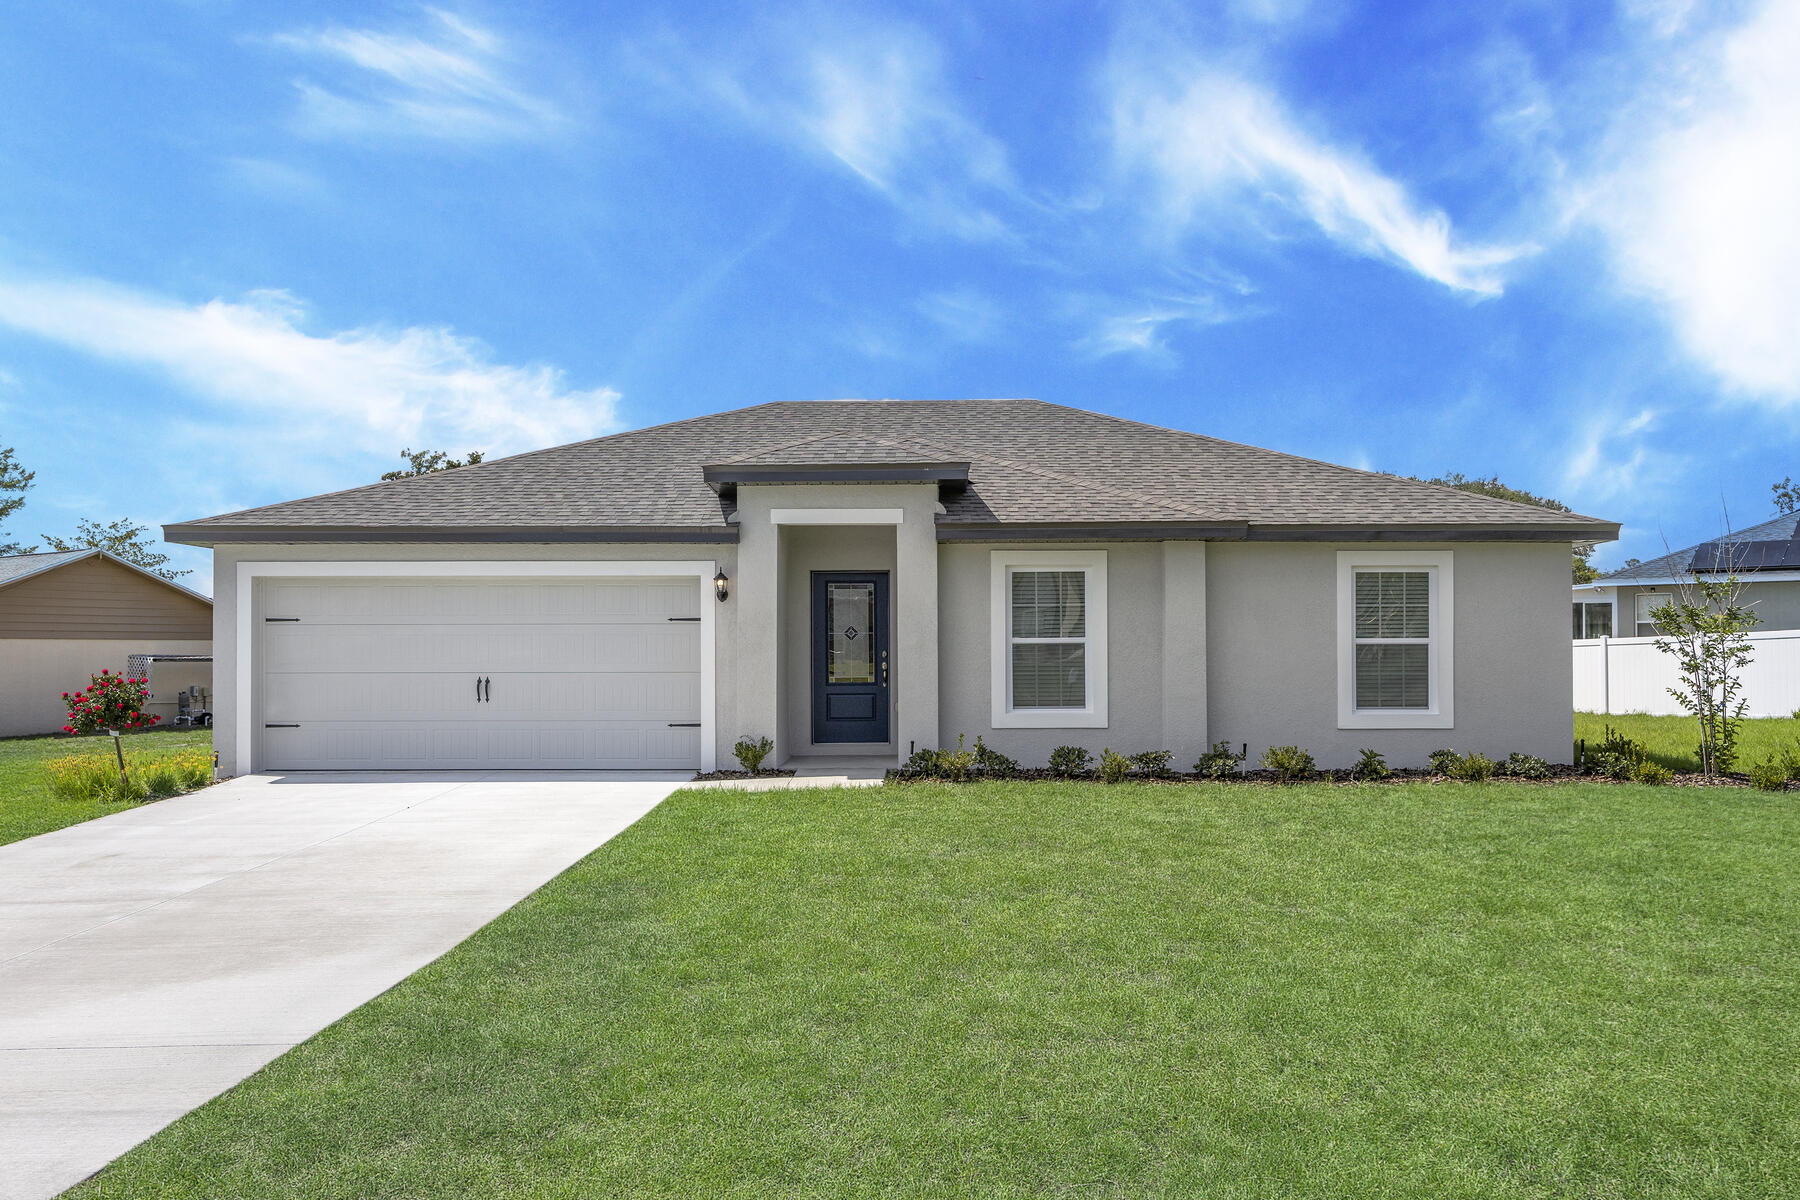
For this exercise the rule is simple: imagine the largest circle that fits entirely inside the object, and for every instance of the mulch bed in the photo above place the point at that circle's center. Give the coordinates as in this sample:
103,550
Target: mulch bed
1343,778
767,773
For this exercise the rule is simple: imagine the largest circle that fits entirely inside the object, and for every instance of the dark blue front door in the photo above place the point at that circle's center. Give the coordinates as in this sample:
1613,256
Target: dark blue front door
850,656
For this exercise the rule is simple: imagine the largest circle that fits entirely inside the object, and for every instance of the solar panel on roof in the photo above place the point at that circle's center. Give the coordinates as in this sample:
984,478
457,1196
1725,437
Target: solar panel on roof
1746,556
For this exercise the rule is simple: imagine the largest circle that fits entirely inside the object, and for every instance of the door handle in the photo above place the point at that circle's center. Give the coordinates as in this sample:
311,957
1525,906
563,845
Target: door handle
487,685
478,689
884,668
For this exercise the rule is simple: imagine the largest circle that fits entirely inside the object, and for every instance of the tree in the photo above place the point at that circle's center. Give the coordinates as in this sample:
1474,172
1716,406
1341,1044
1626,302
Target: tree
1705,627
424,462
1787,495
1581,570
15,481
121,539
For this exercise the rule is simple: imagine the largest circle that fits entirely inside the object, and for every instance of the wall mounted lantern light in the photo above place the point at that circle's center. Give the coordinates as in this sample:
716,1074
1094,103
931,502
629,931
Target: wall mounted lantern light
721,585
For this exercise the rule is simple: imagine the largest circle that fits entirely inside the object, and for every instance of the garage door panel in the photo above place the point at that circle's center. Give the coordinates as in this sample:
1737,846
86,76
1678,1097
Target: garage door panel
481,651
383,602
380,674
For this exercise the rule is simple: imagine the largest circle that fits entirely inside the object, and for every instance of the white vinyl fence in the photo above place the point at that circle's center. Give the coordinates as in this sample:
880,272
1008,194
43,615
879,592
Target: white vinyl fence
1630,675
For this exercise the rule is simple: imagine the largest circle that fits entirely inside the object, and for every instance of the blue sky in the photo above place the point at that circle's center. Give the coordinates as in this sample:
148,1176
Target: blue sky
249,252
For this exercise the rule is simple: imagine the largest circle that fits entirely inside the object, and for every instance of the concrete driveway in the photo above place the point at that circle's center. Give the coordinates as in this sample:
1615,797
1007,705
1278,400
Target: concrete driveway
152,959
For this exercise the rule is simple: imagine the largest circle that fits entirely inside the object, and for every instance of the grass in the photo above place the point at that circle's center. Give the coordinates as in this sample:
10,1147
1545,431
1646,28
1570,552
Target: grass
27,806
1033,989
1674,741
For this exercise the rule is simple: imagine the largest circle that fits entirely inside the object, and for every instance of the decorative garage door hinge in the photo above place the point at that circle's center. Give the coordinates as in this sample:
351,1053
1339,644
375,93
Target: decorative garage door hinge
273,620
281,724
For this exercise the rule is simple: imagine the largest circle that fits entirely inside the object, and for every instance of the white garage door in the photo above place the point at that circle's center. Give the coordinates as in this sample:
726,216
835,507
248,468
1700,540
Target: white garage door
374,674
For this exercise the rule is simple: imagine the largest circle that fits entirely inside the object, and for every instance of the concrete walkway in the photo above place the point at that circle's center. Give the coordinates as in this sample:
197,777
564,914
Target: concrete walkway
152,959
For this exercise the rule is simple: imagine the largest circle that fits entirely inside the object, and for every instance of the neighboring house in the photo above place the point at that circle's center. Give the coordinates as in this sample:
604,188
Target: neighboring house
1766,557
67,615
863,578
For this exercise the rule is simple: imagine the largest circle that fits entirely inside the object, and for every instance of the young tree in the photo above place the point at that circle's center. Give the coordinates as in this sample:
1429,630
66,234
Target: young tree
1705,628
424,462
1581,570
1787,495
15,481
121,539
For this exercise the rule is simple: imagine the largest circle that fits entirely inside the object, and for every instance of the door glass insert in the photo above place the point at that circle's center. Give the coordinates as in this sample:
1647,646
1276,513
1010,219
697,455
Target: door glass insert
850,611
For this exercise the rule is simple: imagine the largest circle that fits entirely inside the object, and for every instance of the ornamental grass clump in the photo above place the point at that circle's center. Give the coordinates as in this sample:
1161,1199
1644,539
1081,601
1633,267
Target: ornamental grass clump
92,777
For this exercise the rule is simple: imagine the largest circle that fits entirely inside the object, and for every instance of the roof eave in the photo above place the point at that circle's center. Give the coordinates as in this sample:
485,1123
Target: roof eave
724,478
220,535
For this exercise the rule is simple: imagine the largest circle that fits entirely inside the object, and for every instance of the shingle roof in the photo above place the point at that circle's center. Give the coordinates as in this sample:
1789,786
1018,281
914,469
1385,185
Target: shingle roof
1029,463
1676,564
14,567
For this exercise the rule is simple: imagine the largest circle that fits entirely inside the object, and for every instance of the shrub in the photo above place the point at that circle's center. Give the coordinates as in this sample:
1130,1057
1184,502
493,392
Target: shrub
954,766
1070,760
1473,767
1790,762
750,754
1768,775
1153,764
1525,766
1372,765
109,702
96,776
1290,763
1443,762
990,761
1219,762
1616,757
1113,767
1651,771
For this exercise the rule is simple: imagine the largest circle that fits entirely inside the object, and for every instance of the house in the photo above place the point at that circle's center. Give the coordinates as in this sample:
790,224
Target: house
67,615
859,579
1766,557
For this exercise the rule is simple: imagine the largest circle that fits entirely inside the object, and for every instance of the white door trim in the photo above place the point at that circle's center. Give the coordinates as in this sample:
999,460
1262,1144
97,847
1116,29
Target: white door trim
249,572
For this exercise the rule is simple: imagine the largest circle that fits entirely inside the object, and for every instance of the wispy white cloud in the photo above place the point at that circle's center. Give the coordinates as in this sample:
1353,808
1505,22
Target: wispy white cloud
1141,328
448,79
963,314
366,389
876,99
1218,147
1699,199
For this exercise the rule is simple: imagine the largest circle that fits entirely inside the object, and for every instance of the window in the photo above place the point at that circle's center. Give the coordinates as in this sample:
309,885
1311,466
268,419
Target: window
1593,620
1648,602
1049,639
1394,639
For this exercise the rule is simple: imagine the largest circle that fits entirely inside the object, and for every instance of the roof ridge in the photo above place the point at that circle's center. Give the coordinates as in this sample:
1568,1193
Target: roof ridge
1085,484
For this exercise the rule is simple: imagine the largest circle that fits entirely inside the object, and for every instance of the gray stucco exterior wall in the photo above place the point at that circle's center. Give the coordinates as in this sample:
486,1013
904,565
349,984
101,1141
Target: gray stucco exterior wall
1777,605
1271,638
1223,640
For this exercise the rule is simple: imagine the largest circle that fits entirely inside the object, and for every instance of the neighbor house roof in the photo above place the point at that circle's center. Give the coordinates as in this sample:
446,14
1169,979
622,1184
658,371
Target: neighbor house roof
1021,467
1732,547
16,568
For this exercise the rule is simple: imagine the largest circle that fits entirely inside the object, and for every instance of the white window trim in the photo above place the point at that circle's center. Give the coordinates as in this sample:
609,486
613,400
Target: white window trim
249,572
1001,565
1439,713
1604,602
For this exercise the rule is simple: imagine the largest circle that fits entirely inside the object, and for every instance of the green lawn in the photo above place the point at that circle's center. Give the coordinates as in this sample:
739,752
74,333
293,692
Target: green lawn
1674,741
1070,989
26,806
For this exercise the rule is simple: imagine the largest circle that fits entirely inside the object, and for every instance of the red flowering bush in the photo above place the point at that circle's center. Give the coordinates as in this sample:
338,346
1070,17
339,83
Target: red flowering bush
109,702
